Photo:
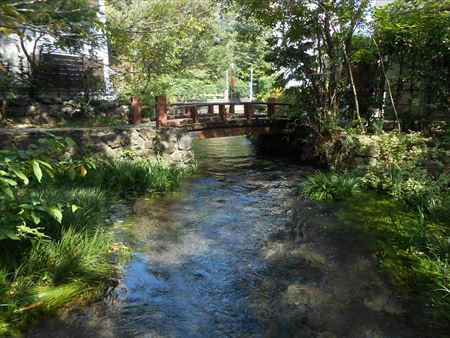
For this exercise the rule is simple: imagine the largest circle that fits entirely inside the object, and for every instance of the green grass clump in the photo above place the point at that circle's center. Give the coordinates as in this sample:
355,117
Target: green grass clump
55,274
332,185
91,207
132,177
79,255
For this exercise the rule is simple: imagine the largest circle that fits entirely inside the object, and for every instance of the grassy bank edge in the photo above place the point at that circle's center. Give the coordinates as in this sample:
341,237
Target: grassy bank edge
398,202
406,248
76,262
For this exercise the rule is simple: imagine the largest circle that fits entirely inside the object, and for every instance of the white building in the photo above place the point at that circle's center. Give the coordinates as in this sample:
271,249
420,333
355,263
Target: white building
379,3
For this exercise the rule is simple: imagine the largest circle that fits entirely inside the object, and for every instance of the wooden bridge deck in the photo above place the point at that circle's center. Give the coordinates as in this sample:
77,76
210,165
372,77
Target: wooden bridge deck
217,119
236,127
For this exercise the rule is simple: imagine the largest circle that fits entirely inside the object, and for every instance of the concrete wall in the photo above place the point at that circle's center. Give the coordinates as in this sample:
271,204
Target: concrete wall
173,146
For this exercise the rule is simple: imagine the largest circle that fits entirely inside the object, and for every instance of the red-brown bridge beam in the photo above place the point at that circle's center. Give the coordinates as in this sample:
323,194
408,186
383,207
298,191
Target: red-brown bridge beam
249,110
161,111
231,110
234,131
271,107
194,114
222,112
136,109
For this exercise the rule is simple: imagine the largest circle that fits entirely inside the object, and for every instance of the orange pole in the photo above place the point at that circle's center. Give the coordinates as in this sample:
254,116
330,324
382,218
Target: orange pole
136,110
271,108
161,111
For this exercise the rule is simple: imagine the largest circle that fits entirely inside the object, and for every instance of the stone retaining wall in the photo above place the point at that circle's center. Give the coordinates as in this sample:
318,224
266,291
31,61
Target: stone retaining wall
51,110
173,146
365,152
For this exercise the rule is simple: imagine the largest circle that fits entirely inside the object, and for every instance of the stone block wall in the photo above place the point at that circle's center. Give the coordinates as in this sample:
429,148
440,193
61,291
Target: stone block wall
173,146
365,152
50,111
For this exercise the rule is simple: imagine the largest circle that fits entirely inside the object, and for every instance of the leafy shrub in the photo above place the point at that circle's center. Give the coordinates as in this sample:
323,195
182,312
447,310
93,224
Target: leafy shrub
378,127
431,196
333,185
21,171
397,148
388,178
413,185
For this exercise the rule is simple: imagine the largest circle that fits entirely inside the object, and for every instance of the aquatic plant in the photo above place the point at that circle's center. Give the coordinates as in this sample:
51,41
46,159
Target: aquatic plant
330,185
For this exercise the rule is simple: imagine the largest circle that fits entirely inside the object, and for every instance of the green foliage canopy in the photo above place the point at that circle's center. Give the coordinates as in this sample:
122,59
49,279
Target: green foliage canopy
181,47
415,35
312,43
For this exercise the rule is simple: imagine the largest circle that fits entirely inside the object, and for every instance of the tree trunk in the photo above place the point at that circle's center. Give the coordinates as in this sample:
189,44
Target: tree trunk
33,66
333,70
4,112
388,84
352,82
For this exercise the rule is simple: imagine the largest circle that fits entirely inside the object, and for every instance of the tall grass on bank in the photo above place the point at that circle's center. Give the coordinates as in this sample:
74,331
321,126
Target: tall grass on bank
75,261
55,274
92,207
80,255
131,177
328,186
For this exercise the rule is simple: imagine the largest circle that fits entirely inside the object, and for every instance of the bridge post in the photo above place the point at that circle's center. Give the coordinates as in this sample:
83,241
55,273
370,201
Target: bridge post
210,109
136,109
249,110
271,108
161,111
231,110
194,114
222,112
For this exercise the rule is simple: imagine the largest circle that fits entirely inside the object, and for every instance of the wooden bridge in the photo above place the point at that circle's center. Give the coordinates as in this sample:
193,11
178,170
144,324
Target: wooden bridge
216,119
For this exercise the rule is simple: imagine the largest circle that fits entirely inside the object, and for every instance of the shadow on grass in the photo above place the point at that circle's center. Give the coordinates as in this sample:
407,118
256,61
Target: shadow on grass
412,250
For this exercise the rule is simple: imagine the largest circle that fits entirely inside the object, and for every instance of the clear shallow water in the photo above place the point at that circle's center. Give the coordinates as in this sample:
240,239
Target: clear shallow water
201,249
223,257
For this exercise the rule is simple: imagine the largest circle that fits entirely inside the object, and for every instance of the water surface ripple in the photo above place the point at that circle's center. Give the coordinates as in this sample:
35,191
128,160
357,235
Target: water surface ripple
222,257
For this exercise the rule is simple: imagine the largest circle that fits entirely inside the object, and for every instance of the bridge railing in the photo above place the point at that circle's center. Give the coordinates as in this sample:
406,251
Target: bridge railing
190,112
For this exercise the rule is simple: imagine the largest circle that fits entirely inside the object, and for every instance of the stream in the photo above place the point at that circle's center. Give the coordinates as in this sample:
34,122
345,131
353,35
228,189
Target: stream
235,252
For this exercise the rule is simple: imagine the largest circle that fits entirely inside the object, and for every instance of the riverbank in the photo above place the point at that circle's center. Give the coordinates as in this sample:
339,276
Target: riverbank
57,247
409,250
392,190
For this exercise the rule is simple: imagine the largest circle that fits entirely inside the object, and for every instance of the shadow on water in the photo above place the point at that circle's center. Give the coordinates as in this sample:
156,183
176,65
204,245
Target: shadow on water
235,253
